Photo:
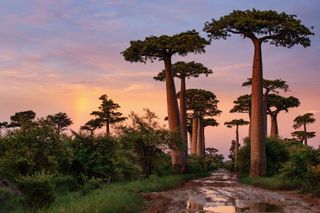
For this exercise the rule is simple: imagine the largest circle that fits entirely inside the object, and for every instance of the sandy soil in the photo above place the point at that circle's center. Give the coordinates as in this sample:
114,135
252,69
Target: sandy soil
221,192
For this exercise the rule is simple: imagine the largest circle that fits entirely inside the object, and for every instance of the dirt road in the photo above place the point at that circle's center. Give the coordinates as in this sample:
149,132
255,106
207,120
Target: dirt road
222,193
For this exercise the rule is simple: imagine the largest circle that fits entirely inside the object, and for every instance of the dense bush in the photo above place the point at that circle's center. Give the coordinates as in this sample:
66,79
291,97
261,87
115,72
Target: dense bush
276,152
9,200
92,184
200,164
304,169
38,190
65,183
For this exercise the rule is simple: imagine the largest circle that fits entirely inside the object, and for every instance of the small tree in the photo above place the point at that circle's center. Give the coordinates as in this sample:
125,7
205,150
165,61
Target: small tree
279,29
276,104
23,119
303,121
92,125
162,48
60,120
300,135
236,123
108,113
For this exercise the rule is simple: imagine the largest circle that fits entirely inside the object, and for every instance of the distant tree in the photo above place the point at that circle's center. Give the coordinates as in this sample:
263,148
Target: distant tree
236,123
300,135
162,48
270,87
303,121
276,104
203,105
60,120
92,125
243,105
108,113
279,29
205,122
23,119
183,70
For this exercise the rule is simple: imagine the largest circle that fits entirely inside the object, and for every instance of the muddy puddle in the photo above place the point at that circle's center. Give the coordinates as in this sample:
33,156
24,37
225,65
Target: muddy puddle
222,193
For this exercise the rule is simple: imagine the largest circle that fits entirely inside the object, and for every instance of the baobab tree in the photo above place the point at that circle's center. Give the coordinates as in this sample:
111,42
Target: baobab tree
236,123
276,104
23,119
279,29
162,48
243,105
60,120
300,135
203,105
303,121
270,87
108,113
183,70
205,123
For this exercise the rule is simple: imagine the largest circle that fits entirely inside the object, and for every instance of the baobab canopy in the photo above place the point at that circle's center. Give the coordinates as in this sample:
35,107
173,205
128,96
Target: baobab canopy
279,29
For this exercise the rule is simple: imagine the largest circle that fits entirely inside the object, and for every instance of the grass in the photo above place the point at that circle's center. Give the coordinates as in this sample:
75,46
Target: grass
273,183
118,196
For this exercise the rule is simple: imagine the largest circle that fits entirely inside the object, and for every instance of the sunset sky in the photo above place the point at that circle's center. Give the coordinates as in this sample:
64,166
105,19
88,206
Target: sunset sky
62,55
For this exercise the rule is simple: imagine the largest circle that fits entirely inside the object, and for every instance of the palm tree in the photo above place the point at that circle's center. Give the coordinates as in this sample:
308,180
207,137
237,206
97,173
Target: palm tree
303,121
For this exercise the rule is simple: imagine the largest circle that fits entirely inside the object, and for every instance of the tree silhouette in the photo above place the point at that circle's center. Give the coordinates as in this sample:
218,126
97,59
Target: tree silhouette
92,125
236,123
270,86
276,104
303,121
279,29
108,113
162,48
205,122
300,135
23,119
60,120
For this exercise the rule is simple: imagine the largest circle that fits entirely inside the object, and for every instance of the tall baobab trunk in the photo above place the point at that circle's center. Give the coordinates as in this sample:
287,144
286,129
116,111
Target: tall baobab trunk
258,150
199,138
236,148
183,116
203,144
190,141
194,132
265,115
108,129
305,138
274,133
177,155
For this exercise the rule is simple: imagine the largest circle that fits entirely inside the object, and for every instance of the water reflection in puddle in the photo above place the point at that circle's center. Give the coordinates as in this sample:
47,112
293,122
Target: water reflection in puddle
255,207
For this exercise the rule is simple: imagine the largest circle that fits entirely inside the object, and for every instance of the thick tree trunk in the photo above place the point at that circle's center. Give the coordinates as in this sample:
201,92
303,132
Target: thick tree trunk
249,135
305,138
236,149
194,132
203,144
183,116
265,115
274,133
177,155
258,150
199,138
190,141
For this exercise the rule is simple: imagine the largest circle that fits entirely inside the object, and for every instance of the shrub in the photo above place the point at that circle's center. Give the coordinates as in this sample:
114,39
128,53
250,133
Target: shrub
9,200
304,169
92,184
65,183
38,190
276,152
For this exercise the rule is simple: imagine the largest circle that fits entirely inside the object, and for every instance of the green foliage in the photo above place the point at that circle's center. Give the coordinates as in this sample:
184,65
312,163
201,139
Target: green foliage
60,121
305,119
270,85
39,148
65,183
38,190
164,46
236,122
304,169
92,184
276,153
279,29
273,183
198,164
9,200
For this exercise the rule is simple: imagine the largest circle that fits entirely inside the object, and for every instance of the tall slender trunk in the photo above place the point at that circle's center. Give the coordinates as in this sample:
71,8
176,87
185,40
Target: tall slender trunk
265,115
203,144
258,150
194,132
274,133
236,148
190,141
183,116
199,137
305,138
177,155
108,129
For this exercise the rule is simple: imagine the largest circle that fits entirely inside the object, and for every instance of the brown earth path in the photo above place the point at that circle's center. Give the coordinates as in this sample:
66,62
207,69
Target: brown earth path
221,192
